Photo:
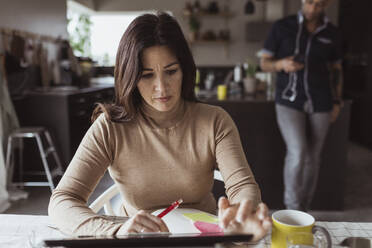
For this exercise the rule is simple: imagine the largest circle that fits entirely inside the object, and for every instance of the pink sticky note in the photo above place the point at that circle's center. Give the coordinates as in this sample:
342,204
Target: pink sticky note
205,227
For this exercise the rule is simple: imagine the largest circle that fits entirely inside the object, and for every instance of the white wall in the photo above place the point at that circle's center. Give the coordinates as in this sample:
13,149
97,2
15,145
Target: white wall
88,3
216,54
208,54
47,17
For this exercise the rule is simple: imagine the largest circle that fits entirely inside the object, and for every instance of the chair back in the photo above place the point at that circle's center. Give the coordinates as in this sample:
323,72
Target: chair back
110,200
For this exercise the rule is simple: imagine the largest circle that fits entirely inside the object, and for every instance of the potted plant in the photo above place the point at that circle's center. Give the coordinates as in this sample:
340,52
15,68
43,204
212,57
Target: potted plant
80,42
194,24
249,80
80,34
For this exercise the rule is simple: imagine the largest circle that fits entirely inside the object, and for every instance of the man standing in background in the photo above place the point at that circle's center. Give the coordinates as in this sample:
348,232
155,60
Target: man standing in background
305,51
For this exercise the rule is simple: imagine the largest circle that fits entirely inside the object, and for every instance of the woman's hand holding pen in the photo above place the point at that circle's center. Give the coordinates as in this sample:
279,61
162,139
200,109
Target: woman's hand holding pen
143,222
243,218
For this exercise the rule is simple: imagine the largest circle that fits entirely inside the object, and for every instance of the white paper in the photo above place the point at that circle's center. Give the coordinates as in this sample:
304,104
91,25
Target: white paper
177,223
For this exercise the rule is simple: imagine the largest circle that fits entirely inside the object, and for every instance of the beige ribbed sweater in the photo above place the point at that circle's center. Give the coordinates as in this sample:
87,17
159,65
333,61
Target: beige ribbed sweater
154,159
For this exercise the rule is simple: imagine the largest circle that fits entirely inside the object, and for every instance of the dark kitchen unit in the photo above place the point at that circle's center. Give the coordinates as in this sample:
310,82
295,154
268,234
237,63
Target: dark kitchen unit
66,113
355,22
265,151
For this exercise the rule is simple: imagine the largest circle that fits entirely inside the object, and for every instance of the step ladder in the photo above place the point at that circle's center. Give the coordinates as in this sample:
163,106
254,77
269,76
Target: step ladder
37,133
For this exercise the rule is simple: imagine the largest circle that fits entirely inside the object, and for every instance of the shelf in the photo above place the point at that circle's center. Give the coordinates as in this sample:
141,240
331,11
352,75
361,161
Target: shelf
223,31
217,42
206,14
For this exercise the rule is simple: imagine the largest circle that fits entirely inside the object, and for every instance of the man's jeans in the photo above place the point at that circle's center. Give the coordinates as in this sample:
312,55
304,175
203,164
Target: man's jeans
304,135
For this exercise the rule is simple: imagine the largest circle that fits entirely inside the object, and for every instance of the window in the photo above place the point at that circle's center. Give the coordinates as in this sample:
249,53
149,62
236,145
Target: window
106,32
97,34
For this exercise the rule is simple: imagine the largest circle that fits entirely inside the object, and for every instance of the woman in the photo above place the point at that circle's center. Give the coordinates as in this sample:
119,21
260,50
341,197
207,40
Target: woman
158,144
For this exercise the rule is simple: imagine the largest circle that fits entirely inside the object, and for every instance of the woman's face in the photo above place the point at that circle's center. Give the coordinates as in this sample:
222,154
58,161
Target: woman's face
161,79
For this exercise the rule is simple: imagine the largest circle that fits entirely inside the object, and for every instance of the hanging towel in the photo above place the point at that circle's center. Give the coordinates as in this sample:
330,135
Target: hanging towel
17,47
8,123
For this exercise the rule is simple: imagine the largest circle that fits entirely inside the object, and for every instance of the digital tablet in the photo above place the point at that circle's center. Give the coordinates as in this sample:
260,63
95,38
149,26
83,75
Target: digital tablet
150,240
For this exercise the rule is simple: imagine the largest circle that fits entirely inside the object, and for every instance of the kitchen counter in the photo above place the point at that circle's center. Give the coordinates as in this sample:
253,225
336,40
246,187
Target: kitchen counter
68,90
249,98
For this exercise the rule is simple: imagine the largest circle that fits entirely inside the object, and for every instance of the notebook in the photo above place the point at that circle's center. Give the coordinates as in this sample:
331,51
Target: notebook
187,220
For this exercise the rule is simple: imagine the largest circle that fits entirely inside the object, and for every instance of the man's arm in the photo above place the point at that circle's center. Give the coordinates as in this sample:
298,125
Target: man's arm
270,64
337,82
336,86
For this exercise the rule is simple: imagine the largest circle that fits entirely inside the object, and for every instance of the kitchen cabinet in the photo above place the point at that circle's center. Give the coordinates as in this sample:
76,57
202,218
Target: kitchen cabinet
65,113
265,151
357,66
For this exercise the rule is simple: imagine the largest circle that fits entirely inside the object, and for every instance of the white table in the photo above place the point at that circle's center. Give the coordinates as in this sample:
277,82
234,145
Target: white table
23,231
338,231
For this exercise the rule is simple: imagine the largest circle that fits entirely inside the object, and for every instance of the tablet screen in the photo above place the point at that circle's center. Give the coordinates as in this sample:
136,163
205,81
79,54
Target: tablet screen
150,239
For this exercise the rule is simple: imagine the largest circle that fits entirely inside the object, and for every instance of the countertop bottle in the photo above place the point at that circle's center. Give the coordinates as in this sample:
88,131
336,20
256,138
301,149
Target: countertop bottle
236,86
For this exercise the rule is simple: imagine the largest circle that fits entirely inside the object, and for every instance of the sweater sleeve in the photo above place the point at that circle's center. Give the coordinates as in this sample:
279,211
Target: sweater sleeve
232,163
67,206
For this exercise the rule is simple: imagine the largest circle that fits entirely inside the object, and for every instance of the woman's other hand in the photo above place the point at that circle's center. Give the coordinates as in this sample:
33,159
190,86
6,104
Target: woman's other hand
243,218
143,222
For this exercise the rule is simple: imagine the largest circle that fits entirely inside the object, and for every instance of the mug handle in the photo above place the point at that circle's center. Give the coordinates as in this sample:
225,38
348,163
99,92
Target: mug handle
325,232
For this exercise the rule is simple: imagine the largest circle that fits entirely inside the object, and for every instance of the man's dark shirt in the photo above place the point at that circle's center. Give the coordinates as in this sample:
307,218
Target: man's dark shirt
318,49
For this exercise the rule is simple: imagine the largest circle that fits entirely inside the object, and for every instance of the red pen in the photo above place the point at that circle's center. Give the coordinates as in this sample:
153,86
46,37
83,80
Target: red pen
170,208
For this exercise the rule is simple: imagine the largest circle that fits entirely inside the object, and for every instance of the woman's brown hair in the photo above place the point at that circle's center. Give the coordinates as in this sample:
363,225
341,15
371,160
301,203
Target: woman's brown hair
146,31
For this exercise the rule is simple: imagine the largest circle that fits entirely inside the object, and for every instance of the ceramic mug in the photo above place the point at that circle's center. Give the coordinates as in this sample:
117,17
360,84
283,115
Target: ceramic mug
288,222
221,92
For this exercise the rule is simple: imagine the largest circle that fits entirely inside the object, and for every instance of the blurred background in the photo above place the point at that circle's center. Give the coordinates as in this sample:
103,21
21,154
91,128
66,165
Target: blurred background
58,61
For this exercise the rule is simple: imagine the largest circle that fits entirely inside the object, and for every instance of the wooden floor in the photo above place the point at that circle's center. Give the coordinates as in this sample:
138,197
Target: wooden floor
358,200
